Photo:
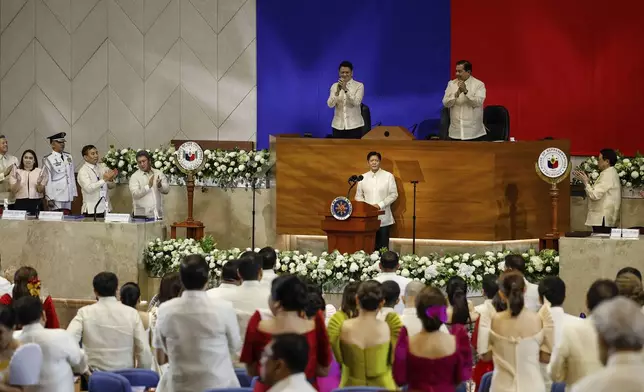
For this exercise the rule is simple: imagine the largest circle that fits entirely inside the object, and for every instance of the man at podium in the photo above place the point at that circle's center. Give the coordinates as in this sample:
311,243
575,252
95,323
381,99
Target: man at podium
378,188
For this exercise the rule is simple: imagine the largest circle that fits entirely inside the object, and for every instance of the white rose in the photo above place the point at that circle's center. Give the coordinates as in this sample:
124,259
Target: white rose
242,167
172,170
479,278
466,256
124,151
530,269
405,273
121,164
450,271
557,259
353,267
329,272
258,158
622,173
338,275
635,174
207,165
441,283
448,260
594,175
423,280
548,269
626,161
477,263
158,164
199,173
230,170
207,152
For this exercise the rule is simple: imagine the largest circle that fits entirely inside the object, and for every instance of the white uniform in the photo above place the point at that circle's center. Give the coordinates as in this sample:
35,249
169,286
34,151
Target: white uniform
61,186
604,199
6,161
146,200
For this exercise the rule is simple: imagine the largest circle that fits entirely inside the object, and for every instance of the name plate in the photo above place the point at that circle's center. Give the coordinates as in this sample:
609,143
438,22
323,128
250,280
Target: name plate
118,218
625,234
51,216
14,215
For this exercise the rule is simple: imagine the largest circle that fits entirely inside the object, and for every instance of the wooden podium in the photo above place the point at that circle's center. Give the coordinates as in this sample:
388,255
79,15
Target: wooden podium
353,234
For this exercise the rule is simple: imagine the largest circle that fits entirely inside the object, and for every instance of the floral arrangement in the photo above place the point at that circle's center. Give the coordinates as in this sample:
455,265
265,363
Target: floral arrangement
221,168
630,169
333,270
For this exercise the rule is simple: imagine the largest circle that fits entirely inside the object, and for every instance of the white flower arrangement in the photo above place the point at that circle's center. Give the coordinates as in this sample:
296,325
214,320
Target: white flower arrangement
630,170
221,168
333,270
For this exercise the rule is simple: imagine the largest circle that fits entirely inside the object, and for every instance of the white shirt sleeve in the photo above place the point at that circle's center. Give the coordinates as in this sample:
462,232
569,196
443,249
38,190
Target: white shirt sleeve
165,185
333,99
355,98
86,180
232,330
476,97
449,99
392,193
359,192
135,188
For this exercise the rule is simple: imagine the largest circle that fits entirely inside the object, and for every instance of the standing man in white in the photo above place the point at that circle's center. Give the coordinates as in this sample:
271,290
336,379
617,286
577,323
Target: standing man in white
60,190
147,186
389,264
605,195
8,163
95,179
378,188
345,97
464,96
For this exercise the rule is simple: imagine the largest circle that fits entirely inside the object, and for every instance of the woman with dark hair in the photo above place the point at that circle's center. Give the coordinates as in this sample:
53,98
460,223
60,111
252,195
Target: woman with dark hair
130,295
516,337
432,360
28,184
480,339
169,288
26,282
8,344
349,304
288,303
363,345
460,310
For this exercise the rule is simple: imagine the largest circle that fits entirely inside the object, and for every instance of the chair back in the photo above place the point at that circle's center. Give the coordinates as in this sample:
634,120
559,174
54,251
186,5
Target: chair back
243,378
108,382
140,377
558,387
358,389
486,382
366,116
445,122
25,365
497,121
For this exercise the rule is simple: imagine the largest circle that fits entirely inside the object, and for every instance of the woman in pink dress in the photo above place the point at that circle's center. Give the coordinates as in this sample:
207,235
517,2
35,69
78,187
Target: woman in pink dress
431,360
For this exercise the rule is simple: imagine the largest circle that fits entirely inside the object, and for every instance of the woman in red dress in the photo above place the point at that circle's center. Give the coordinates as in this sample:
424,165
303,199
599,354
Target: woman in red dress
26,282
288,303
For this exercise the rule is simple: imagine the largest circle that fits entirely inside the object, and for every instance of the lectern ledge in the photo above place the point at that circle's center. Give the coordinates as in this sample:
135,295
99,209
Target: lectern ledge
356,233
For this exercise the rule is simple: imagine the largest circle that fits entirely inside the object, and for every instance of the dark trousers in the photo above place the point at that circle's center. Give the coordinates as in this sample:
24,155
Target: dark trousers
32,206
483,138
101,215
355,133
382,237
603,228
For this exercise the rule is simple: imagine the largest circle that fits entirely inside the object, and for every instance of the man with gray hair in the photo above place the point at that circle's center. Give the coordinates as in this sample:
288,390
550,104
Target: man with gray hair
8,163
620,327
409,315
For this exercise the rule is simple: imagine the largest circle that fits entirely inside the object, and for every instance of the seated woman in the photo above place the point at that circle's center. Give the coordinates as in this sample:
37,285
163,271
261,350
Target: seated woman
26,282
516,336
288,303
366,358
130,295
28,184
433,360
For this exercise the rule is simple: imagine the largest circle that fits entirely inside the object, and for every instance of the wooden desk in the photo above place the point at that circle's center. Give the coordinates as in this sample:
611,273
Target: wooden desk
466,190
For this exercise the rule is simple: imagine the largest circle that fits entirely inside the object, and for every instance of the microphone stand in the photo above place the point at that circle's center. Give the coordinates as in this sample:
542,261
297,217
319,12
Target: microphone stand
96,206
353,183
252,241
413,225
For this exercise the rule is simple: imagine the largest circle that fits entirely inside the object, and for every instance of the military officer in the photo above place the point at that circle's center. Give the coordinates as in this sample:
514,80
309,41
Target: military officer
59,167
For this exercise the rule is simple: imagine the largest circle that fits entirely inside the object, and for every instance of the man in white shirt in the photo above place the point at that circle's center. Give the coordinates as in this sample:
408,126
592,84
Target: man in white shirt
283,364
576,354
605,195
620,327
269,259
230,280
95,179
112,333
392,295
409,316
62,356
61,179
345,97
378,188
8,163
517,263
147,186
388,265
464,96
197,333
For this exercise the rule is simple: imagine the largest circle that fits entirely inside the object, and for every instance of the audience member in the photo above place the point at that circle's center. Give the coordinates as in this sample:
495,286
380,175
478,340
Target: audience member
6,286
284,362
169,288
391,294
230,280
431,360
516,263
515,337
8,344
576,354
630,286
62,356
28,184
366,358
288,301
620,327
630,270
112,333
389,264
460,310
349,304
480,340
27,283
315,301
269,259
130,295
197,334
409,317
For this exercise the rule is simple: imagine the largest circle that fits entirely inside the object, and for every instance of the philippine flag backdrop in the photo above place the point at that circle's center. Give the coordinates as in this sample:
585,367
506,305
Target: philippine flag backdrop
565,69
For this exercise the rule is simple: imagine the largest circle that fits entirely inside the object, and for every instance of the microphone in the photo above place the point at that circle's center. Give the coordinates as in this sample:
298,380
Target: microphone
353,180
96,206
360,177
